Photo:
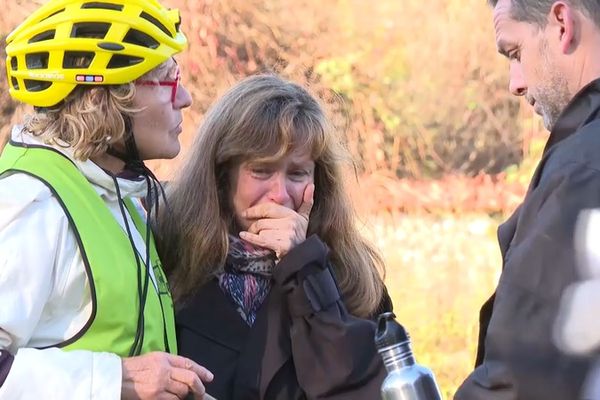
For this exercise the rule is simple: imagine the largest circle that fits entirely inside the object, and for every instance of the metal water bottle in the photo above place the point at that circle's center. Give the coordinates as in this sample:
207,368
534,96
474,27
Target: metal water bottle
406,380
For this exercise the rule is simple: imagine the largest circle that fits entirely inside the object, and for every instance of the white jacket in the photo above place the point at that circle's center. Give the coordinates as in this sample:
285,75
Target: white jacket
44,292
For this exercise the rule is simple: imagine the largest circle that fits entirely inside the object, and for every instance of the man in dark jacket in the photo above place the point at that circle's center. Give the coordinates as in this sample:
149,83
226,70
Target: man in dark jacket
554,52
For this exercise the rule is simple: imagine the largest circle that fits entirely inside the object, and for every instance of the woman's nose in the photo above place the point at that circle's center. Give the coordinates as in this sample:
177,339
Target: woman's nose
183,98
278,192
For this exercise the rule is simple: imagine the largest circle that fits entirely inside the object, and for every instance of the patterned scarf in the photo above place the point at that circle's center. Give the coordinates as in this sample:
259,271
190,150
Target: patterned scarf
247,276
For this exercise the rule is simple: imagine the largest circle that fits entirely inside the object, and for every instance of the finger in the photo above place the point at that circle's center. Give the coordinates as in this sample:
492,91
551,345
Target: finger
180,382
169,396
198,389
266,210
256,226
307,201
269,239
182,362
189,380
281,224
253,238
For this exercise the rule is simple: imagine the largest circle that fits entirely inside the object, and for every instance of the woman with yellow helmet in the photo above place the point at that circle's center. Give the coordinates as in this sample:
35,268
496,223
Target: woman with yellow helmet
85,311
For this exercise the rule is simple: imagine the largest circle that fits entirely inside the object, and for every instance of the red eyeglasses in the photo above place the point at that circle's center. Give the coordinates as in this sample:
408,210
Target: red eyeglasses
173,83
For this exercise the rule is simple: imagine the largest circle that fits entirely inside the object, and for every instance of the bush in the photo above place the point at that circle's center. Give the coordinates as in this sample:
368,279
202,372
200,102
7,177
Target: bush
416,84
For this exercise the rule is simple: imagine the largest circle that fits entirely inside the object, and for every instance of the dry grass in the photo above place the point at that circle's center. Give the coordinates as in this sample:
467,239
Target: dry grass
440,270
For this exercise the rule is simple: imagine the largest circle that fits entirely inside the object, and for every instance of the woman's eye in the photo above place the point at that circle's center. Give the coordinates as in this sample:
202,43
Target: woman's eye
514,55
299,174
260,172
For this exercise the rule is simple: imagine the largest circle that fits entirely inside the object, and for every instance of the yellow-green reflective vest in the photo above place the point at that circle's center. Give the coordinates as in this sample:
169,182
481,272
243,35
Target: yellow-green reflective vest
107,255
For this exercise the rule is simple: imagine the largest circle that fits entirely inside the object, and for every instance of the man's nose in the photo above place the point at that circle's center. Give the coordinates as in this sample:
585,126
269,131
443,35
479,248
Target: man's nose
517,84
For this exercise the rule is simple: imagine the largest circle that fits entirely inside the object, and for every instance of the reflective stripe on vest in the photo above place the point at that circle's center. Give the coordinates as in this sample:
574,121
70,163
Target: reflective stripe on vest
107,255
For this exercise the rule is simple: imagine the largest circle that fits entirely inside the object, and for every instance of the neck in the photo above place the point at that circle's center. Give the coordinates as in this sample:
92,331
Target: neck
109,163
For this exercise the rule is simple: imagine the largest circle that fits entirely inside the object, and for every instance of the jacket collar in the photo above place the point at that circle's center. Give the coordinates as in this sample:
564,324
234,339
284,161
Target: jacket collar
211,314
583,108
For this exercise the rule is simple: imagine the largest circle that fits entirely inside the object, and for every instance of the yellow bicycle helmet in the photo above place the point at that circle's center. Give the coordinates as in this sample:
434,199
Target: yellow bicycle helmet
66,43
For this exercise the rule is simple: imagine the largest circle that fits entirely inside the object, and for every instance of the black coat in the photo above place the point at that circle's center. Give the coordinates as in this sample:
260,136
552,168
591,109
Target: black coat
303,345
517,358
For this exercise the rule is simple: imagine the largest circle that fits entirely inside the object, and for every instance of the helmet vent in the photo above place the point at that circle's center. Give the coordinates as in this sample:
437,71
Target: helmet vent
121,61
103,6
77,59
156,22
14,63
178,24
140,38
96,30
40,37
111,46
52,15
15,83
37,60
36,86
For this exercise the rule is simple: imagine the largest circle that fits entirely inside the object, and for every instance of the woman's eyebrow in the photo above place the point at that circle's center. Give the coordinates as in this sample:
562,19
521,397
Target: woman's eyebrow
302,164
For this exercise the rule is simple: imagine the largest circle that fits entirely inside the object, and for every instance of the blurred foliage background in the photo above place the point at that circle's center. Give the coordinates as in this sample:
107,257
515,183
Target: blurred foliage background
441,147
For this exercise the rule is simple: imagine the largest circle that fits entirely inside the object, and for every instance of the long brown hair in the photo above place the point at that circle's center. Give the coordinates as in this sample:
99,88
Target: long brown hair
262,117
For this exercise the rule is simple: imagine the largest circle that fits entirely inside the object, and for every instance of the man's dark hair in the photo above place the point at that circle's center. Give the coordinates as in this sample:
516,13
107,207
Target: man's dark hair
536,11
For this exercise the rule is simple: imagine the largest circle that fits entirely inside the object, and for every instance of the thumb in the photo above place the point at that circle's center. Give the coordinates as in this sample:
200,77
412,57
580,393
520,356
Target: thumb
307,201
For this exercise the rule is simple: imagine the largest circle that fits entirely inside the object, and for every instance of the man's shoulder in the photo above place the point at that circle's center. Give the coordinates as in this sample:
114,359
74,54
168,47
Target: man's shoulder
582,148
572,156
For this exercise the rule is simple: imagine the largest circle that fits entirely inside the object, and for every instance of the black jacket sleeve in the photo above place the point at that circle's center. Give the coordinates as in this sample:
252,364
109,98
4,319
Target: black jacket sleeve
334,352
520,359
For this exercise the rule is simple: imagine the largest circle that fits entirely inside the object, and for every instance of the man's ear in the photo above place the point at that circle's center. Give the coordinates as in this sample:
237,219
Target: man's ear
561,20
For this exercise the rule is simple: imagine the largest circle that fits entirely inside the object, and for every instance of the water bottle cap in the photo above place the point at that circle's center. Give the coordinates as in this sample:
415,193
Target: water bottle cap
389,332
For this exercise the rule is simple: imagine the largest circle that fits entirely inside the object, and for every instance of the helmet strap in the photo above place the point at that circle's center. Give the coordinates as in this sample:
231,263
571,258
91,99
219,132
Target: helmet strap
131,157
